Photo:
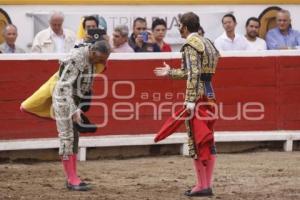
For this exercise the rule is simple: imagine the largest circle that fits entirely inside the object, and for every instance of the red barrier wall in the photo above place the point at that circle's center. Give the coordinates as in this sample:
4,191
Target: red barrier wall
272,81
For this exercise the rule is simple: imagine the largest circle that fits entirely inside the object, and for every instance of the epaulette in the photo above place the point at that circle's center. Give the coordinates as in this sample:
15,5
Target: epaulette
195,42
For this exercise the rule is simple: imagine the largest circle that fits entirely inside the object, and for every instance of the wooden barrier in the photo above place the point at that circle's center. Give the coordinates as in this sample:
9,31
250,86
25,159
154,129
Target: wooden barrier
287,137
269,78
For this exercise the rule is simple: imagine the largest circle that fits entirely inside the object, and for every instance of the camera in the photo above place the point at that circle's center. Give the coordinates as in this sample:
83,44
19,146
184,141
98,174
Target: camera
96,34
145,36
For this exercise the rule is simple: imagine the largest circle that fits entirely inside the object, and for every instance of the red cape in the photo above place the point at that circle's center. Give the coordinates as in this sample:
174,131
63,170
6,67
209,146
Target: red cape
202,126
171,124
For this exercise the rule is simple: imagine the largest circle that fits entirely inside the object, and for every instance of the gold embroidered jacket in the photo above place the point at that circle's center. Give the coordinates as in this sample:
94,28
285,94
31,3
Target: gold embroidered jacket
75,80
199,61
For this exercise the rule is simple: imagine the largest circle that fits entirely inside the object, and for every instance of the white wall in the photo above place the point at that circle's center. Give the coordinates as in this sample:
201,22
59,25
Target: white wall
209,15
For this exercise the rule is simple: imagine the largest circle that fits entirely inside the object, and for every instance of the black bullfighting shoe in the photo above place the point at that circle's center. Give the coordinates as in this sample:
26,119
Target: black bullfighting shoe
86,126
202,193
81,187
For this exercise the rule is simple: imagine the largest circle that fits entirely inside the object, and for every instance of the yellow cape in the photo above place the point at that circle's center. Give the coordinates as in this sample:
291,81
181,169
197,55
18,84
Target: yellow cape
80,30
40,102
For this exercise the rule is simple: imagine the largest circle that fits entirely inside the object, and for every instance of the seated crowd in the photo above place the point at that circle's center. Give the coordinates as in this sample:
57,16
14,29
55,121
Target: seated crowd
57,39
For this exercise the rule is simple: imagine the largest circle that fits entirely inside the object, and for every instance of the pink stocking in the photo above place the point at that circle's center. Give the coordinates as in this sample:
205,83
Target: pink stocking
201,176
69,168
210,169
75,162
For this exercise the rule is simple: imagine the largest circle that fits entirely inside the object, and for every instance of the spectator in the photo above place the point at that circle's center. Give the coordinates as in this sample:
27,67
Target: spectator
89,22
54,39
120,39
159,29
140,43
201,31
252,30
283,36
10,34
230,40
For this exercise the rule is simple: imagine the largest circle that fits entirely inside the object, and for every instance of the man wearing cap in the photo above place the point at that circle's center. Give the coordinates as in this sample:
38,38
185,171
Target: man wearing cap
199,61
75,80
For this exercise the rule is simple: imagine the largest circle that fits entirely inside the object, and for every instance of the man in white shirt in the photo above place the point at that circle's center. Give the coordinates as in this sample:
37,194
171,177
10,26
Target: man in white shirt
230,40
252,29
54,39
